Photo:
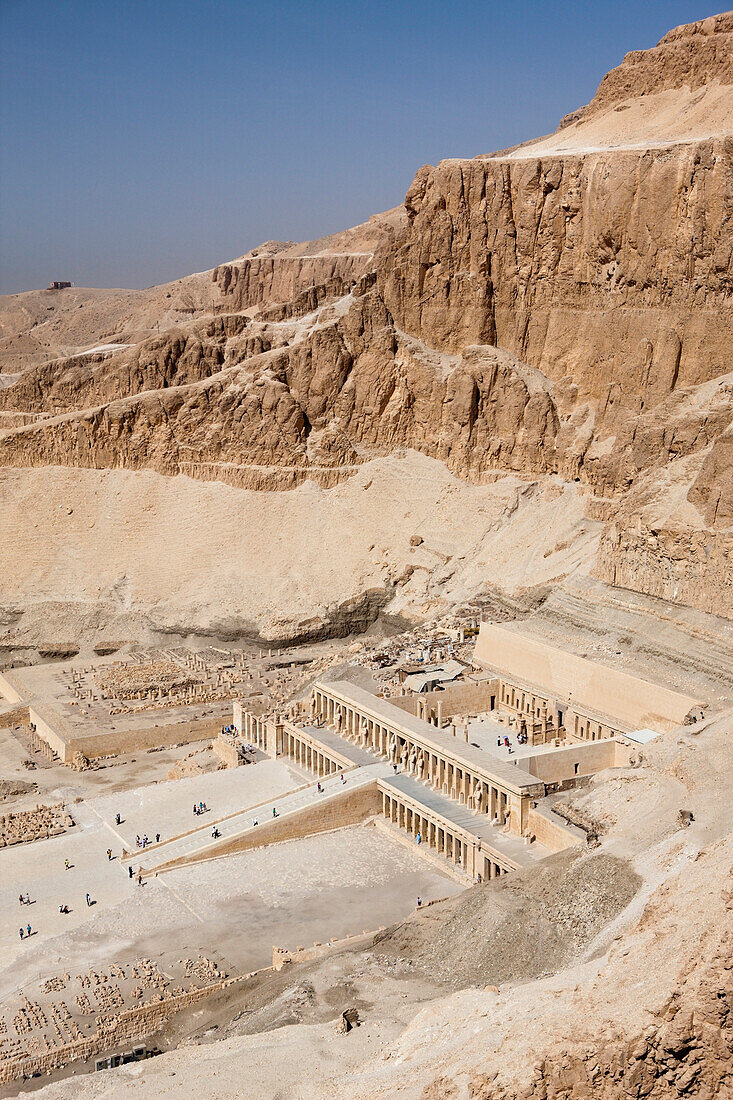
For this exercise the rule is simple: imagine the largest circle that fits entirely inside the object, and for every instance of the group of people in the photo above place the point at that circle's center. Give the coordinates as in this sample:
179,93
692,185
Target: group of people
199,808
24,932
143,841
504,743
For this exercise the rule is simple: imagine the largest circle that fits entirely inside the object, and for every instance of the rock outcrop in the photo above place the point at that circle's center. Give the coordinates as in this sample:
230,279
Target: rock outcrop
565,307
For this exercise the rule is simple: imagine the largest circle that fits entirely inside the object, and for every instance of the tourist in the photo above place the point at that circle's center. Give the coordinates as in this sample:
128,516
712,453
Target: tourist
27,899
419,901
498,742
21,899
274,812
139,880
195,810
109,854
118,819
255,822
89,900
320,788
28,929
21,933
418,838
67,865
138,841
130,871
157,838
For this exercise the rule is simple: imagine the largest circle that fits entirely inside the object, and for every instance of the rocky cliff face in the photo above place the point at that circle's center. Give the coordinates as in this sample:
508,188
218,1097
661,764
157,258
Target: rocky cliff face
563,308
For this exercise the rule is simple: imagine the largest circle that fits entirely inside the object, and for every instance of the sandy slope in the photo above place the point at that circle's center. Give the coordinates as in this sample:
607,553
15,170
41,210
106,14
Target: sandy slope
671,117
120,554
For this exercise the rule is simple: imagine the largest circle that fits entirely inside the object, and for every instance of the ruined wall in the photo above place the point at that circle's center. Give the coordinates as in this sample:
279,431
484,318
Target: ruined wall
120,1028
18,717
226,751
116,742
551,831
460,698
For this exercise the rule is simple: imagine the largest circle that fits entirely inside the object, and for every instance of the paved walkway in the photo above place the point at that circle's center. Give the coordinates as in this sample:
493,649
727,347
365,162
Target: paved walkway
355,753
200,840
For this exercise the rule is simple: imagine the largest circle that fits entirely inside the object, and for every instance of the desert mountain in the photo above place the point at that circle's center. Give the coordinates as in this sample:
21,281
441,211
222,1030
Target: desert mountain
540,336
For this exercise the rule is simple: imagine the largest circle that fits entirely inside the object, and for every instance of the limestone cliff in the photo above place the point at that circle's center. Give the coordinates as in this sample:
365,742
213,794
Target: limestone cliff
565,307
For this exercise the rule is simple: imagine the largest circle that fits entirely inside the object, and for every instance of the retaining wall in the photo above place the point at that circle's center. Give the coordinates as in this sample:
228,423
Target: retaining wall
551,831
589,756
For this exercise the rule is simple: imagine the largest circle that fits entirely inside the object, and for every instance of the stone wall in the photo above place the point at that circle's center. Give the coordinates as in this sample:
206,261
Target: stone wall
551,831
633,702
581,758
121,741
466,697
226,750
8,692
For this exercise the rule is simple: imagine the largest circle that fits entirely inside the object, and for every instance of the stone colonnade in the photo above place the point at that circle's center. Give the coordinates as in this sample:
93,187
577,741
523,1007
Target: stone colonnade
441,835
254,730
438,768
543,718
309,752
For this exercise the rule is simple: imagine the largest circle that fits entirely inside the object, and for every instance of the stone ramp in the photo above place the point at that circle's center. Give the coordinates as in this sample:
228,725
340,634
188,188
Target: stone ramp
300,813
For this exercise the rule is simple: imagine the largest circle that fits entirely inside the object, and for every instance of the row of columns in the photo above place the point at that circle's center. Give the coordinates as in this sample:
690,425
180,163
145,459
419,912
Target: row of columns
425,764
300,748
440,837
254,729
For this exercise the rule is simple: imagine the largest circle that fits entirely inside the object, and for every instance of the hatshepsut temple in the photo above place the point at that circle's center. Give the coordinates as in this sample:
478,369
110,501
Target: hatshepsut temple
423,764
472,771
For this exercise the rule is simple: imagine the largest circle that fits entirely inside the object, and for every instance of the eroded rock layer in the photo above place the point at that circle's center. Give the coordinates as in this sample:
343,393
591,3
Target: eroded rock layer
564,308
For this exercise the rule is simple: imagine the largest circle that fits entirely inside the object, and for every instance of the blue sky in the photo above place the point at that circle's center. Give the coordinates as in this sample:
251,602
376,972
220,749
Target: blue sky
140,141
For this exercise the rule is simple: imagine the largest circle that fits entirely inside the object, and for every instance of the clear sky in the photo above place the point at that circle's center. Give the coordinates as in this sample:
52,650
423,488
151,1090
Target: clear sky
141,140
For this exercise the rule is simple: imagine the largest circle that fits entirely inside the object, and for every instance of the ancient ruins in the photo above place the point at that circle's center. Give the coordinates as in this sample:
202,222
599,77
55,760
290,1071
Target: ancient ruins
366,626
